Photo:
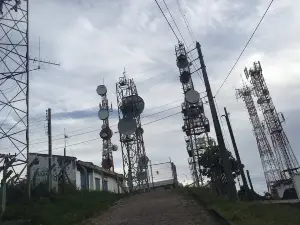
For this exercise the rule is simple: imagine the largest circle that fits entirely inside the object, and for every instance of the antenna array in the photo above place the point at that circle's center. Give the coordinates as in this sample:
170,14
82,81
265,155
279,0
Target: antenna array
135,161
106,133
195,122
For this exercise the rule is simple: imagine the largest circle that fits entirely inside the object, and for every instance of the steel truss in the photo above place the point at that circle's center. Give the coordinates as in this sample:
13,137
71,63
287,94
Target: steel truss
133,148
14,77
196,125
269,161
107,156
281,145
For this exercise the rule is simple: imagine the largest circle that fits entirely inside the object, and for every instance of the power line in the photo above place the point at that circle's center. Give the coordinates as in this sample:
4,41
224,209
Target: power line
161,118
174,22
186,22
244,47
35,143
167,20
62,146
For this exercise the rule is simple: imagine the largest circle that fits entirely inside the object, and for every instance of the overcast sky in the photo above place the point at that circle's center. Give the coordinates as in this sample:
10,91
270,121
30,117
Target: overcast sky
94,40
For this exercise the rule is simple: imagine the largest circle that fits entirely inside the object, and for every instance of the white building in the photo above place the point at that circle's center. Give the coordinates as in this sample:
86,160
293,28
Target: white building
85,175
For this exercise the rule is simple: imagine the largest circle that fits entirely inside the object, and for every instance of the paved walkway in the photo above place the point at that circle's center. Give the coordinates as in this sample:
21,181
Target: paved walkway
154,208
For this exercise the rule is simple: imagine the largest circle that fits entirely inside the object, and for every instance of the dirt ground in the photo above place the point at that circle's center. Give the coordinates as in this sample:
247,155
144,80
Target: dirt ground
159,208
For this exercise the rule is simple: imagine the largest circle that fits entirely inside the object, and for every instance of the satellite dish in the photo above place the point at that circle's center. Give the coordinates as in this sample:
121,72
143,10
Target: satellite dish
182,61
103,114
127,126
192,96
101,90
259,101
114,148
265,91
132,105
139,131
106,133
185,77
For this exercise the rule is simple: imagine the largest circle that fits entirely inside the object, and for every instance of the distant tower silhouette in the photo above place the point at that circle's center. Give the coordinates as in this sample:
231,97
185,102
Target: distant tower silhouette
281,145
269,161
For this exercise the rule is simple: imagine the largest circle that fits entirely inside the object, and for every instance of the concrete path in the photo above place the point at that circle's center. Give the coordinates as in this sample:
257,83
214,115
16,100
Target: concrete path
154,208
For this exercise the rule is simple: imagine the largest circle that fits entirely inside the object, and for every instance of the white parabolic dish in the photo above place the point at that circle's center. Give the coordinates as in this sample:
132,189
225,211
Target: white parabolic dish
127,126
101,90
192,96
103,114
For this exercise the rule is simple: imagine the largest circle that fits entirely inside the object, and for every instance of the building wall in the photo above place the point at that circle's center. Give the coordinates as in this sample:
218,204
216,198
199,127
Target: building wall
78,180
112,185
41,169
296,181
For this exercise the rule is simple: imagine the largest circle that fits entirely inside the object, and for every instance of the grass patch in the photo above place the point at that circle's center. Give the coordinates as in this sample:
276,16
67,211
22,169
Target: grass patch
247,213
64,209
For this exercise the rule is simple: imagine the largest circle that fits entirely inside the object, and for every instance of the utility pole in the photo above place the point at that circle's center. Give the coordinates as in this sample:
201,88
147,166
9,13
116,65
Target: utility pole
151,174
64,158
231,189
237,155
49,150
249,179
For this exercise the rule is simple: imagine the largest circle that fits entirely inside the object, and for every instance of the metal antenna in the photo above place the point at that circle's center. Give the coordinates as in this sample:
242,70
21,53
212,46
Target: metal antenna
270,164
135,161
14,81
280,142
42,61
105,133
196,125
39,66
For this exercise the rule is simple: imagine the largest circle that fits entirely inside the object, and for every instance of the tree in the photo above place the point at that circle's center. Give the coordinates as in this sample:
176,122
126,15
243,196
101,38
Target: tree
212,166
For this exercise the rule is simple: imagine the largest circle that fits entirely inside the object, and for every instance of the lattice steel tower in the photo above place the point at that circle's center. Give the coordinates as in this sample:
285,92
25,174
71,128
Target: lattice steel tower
14,77
281,145
135,161
269,161
195,122
106,133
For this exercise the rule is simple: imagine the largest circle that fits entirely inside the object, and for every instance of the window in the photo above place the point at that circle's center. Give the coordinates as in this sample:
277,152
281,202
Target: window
97,184
105,186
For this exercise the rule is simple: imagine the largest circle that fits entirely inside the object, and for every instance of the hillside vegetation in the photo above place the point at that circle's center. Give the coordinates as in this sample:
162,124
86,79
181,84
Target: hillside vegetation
63,209
246,213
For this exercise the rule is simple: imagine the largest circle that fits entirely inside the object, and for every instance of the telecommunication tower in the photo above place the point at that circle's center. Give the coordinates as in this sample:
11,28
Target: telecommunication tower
195,122
268,158
135,161
273,120
14,80
106,133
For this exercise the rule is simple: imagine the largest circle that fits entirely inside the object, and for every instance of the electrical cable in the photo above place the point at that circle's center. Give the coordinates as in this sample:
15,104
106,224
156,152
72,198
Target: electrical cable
244,48
35,143
186,22
167,20
100,138
174,22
